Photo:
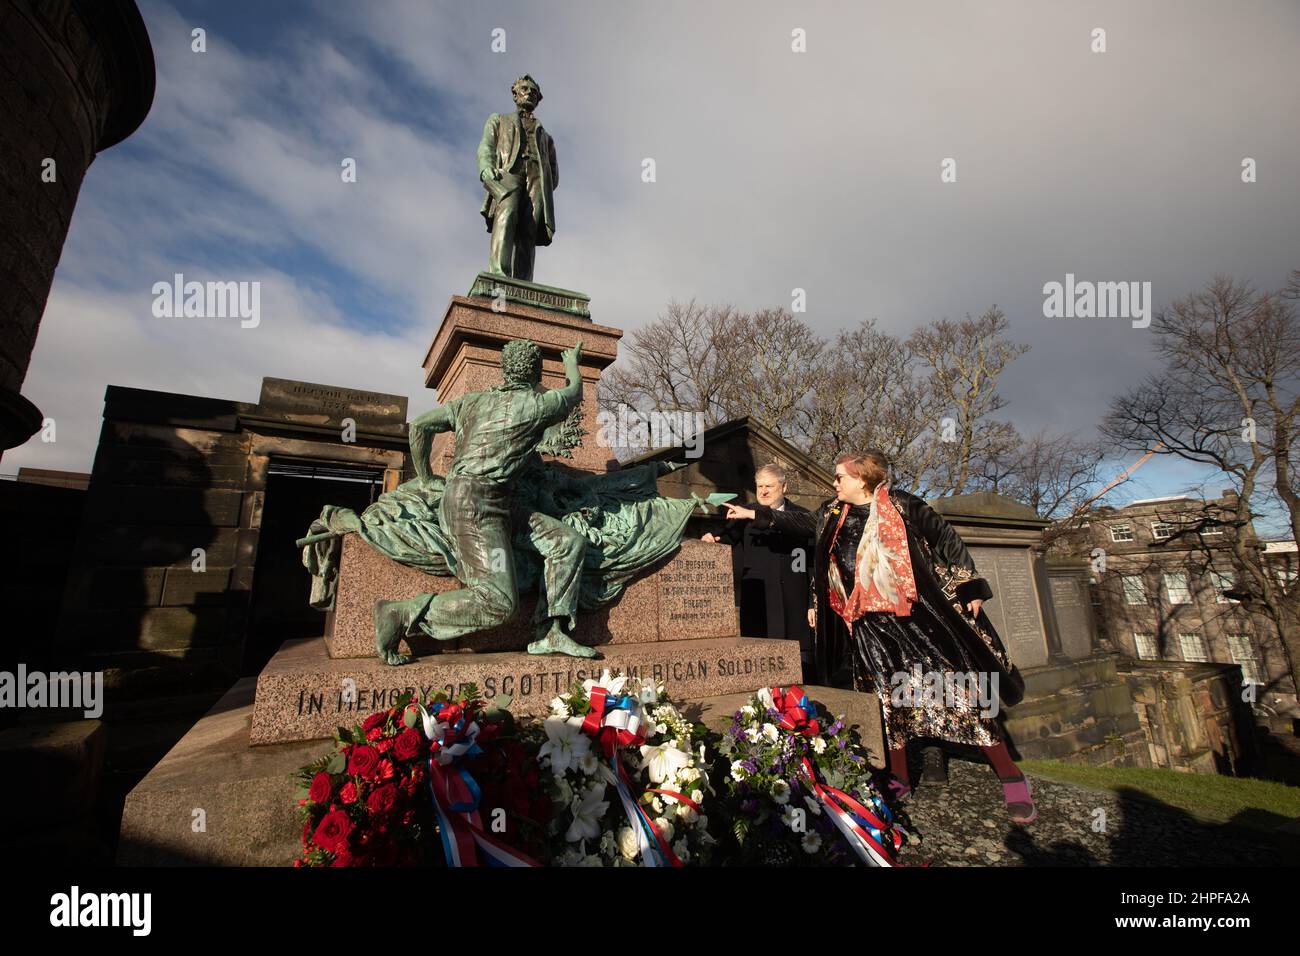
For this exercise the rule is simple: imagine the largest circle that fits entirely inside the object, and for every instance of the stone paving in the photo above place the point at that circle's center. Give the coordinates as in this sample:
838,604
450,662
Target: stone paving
966,824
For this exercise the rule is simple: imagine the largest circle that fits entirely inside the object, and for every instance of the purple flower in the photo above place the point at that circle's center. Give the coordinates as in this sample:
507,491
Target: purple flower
749,765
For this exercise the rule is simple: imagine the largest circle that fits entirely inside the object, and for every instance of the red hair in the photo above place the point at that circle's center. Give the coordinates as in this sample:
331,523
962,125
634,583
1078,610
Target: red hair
871,467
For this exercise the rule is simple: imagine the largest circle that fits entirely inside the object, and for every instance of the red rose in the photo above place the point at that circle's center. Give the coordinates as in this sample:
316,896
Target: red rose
321,788
382,800
409,744
375,733
348,793
333,831
386,770
375,720
363,762
384,745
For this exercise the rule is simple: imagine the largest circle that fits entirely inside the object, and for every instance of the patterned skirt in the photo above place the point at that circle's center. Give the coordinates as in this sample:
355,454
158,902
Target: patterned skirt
926,683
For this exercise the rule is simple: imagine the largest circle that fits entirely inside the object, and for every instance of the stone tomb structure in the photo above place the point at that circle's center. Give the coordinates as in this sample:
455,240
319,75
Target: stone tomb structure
1076,705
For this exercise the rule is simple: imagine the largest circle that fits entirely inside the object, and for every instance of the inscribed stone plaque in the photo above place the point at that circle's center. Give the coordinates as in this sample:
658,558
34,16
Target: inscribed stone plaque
1014,609
697,597
313,404
1071,616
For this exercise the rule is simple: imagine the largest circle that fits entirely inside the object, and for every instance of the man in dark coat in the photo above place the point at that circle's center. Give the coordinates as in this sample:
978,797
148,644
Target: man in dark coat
771,568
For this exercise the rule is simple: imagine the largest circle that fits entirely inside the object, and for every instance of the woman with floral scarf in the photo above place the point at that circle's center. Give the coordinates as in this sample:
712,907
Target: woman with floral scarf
905,587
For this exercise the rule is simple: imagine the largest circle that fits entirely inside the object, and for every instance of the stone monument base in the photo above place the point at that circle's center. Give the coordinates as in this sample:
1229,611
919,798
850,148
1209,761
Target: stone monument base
303,693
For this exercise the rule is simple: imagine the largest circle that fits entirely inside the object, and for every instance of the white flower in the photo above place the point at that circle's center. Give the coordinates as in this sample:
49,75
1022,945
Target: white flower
563,791
697,796
781,792
812,842
665,829
613,685
764,696
589,764
663,762
656,805
688,775
752,734
725,746
587,811
738,772
566,744
685,814
559,708
813,805
681,852
770,732
748,712
628,844
789,816
661,728
819,745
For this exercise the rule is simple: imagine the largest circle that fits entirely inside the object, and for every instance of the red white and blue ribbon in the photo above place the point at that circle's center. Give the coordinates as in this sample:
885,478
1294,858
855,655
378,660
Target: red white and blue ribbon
615,721
798,713
456,794
870,832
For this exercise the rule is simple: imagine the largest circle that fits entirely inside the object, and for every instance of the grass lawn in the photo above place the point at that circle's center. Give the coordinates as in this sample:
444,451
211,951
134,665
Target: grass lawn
1259,804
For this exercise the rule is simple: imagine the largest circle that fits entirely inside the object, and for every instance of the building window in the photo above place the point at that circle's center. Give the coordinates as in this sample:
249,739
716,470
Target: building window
1146,646
1121,532
1222,581
1285,577
1211,531
1162,529
1244,654
1176,585
1135,591
1193,646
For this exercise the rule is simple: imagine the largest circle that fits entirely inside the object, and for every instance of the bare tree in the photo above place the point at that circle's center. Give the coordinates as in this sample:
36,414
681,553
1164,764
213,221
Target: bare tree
1052,473
686,360
964,360
1229,397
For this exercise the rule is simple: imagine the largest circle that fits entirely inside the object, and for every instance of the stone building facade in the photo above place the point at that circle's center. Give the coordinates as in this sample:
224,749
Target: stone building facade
1161,569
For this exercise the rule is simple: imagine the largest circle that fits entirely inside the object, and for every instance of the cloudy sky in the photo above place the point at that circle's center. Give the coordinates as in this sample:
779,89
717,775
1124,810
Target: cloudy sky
776,170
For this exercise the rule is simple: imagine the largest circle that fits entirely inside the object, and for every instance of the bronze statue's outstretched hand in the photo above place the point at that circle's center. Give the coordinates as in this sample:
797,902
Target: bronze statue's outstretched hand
572,356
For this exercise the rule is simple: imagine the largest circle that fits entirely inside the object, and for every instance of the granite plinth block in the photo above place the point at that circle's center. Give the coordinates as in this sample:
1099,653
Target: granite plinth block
690,595
247,796
303,693
465,356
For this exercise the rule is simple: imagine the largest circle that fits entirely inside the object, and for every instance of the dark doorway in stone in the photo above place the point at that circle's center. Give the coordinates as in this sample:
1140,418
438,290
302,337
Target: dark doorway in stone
295,494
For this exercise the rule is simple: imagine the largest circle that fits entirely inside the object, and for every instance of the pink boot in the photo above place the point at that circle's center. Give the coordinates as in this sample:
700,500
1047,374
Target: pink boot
1020,802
